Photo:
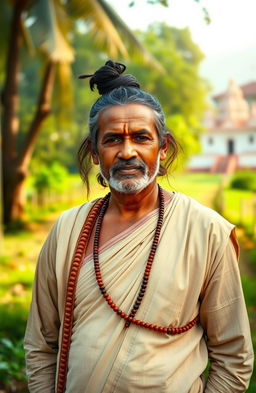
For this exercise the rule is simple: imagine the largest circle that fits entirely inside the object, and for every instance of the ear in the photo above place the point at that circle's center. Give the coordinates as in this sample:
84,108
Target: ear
164,147
94,155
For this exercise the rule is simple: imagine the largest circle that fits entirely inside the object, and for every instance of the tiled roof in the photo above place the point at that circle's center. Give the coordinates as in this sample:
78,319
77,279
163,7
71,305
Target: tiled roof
248,89
220,130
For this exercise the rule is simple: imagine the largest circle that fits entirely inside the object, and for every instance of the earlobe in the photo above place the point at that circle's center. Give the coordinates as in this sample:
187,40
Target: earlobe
164,148
95,159
162,155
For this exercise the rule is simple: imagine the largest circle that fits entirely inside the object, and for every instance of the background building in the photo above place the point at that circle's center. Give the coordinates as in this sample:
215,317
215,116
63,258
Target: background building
229,142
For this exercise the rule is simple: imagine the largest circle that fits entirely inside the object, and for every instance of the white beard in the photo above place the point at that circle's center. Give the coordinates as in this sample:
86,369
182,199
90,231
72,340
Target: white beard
131,186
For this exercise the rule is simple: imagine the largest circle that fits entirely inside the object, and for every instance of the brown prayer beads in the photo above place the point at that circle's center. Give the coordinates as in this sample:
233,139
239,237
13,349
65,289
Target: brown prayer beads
98,210
130,318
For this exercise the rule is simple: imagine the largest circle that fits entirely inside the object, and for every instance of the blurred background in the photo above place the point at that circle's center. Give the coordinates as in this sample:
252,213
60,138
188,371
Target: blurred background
197,56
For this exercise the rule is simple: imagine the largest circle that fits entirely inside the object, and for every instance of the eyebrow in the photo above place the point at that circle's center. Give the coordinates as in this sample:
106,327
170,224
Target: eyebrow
138,132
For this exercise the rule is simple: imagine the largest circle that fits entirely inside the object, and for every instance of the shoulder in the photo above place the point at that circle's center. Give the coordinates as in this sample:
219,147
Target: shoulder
203,227
73,217
199,225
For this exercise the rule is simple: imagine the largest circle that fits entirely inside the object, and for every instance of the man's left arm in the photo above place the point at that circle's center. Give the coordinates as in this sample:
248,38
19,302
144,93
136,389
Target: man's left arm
224,318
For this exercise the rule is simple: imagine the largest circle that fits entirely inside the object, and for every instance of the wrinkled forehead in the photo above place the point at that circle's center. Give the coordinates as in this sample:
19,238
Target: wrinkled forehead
126,116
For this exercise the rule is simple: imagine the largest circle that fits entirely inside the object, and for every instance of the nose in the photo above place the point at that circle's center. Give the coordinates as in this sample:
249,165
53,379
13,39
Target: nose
127,150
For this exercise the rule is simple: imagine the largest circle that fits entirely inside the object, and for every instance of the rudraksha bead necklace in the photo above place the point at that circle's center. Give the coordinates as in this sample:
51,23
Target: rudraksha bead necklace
130,318
76,263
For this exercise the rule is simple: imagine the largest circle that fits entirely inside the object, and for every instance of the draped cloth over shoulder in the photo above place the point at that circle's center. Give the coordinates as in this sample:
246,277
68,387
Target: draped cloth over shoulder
195,256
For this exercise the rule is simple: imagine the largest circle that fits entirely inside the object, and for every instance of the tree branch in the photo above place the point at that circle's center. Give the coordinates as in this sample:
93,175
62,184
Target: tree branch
42,112
10,99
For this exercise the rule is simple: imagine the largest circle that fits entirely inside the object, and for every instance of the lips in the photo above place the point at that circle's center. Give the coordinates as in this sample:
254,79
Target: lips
127,166
127,170
130,168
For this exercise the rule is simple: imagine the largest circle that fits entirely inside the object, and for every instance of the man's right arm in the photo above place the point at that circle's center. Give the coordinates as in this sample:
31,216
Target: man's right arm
41,338
224,318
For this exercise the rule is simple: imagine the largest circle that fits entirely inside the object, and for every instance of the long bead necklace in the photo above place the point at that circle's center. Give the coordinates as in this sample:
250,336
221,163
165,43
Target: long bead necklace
130,318
98,210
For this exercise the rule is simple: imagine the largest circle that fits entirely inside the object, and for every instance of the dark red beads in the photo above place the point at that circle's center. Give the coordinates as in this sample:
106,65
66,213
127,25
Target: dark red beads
130,318
70,295
98,210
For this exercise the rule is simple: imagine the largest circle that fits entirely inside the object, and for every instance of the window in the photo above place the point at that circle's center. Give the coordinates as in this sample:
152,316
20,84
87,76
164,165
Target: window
251,139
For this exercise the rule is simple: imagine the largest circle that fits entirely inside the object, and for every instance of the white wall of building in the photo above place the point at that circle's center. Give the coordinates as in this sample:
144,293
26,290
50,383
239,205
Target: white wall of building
200,161
220,142
247,161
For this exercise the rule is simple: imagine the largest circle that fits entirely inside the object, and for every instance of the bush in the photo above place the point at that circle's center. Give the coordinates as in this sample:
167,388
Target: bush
13,317
245,180
50,177
12,365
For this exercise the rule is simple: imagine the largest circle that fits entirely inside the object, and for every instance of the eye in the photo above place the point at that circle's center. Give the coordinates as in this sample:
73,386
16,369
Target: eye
112,139
141,138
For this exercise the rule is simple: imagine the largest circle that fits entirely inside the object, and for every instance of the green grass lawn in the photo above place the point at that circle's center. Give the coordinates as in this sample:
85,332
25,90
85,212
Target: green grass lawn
22,247
200,186
239,207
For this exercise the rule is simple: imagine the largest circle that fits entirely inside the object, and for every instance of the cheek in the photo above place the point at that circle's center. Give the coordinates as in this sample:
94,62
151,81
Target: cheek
152,155
105,160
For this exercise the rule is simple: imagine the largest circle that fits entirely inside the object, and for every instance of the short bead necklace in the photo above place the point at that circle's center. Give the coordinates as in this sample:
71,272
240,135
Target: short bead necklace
130,318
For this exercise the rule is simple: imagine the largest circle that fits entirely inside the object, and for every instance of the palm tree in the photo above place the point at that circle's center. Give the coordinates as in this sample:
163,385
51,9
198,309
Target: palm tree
45,26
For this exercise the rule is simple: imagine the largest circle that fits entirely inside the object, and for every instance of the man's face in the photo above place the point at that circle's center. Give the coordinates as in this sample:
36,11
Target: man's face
128,150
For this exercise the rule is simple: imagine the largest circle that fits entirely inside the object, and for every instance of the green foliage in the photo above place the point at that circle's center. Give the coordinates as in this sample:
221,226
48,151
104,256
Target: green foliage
252,259
13,319
181,90
12,362
42,179
244,180
50,177
185,137
249,290
237,206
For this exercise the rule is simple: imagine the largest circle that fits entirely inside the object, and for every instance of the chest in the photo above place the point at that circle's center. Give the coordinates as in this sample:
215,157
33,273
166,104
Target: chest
110,228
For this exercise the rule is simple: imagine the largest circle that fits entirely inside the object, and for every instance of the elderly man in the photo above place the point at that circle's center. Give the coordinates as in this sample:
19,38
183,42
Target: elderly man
135,292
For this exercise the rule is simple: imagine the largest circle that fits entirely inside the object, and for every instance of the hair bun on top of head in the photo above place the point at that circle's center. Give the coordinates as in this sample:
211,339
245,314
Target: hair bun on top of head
111,76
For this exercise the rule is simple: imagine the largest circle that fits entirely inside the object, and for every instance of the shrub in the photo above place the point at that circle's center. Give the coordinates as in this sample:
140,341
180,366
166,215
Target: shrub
59,175
12,365
48,178
13,318
245,180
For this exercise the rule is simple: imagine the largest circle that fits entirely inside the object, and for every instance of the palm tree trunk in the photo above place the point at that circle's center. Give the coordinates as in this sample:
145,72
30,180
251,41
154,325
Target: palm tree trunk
15,198
42,112
14,165
10,103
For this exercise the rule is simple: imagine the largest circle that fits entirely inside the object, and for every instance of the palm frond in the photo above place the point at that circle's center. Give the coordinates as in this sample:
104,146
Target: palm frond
100,25
49,31
63,93
110,31
129,36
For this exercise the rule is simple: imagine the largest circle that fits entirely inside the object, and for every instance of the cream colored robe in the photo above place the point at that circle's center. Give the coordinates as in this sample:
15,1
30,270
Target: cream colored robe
195,271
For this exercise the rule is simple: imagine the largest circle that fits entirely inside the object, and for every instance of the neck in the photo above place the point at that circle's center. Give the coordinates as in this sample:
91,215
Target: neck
129,206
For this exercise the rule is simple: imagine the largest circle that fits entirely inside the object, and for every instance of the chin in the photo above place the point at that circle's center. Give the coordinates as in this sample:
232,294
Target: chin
130,186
